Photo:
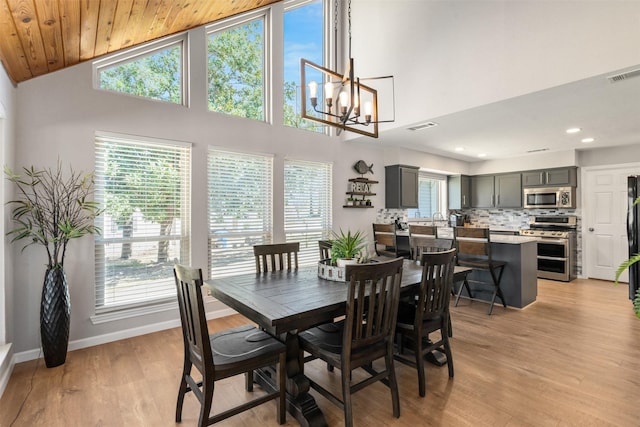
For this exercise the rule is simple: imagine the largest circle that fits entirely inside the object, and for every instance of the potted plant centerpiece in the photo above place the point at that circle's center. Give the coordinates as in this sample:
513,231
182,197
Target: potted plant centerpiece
346,248
53,208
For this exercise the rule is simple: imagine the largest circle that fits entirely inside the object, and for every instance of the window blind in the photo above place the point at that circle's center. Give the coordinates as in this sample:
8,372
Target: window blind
307,206
144,186
240,210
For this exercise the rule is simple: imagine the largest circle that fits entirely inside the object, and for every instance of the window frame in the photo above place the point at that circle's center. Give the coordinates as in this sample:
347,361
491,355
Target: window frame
106,313
267,60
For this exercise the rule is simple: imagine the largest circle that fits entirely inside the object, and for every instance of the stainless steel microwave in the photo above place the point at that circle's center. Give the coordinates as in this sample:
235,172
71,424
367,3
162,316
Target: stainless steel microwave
550,197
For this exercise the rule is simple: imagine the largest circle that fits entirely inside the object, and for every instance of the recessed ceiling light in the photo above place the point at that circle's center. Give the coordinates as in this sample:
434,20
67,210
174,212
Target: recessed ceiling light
587,140
573,130
459,148
482,155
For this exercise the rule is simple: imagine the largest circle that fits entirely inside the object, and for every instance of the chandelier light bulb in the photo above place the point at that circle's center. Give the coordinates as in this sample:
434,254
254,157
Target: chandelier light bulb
313,89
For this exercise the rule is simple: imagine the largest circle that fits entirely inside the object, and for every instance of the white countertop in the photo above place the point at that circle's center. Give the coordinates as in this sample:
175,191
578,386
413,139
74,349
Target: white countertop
514,240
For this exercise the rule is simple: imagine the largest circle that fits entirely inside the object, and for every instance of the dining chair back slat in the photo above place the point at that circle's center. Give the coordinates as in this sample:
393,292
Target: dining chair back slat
277,256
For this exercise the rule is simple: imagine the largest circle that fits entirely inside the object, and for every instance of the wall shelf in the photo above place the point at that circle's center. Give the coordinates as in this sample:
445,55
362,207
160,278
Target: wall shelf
360,191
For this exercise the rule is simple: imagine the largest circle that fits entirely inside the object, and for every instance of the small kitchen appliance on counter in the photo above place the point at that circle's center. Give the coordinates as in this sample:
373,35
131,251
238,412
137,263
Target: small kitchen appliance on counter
456,220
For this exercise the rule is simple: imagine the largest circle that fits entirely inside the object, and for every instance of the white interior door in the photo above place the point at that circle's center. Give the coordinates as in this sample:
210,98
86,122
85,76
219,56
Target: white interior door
605,223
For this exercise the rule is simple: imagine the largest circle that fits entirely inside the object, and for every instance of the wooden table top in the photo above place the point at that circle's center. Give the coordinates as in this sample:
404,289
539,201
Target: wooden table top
284,301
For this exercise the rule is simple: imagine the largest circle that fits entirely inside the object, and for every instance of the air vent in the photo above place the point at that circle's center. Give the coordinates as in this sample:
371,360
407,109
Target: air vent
624,76
423,126
537,150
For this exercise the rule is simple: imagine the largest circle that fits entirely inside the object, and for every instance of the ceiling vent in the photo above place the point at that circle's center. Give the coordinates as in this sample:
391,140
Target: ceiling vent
423,126
624,76
537,150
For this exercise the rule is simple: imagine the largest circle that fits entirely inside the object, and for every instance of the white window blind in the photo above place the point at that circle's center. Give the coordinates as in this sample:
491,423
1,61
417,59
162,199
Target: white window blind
240,210
307,206
144,186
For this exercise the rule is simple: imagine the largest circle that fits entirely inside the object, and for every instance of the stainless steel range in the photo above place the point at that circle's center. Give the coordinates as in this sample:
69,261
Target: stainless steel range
556,236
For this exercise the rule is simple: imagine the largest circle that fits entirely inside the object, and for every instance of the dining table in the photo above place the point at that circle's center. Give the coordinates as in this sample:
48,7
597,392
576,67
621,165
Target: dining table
286,302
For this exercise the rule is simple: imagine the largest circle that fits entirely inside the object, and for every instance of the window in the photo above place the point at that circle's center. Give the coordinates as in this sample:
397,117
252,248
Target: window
144,187
431,190
236,68
156,71
307,206
304,26
240,210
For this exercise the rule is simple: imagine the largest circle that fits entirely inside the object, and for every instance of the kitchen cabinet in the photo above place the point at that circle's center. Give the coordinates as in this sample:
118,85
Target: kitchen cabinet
459,191
401,187
496,191
567,177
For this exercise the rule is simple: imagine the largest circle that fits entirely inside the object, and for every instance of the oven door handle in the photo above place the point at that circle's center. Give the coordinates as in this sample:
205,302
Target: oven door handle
558,241
552,258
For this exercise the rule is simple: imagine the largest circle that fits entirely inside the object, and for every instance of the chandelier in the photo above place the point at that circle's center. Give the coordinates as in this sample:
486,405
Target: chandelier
345,102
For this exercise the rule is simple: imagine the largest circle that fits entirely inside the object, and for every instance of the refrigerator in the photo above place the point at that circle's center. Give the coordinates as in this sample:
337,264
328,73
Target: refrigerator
633,229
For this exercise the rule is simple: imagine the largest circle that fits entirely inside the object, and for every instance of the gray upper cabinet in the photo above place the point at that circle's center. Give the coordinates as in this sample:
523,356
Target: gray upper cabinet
508,190
401,187
496,191
459,190
482,191
551,177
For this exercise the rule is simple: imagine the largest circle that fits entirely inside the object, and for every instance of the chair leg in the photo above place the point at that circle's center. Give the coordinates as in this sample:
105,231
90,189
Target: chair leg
182,390
282,381
205,405
248,379
393,384
447,350
465,285
420,366
346,396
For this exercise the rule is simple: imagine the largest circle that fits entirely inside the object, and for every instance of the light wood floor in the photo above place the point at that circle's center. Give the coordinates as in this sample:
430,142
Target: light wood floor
570,359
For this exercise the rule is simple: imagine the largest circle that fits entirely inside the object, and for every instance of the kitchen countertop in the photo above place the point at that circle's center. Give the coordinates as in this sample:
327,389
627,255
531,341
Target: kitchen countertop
447,233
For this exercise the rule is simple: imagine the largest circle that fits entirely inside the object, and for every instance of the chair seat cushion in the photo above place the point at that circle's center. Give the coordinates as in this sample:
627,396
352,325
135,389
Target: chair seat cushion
406,319
233,347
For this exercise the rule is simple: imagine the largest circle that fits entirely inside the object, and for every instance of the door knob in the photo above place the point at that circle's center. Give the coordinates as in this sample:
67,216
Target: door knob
590,228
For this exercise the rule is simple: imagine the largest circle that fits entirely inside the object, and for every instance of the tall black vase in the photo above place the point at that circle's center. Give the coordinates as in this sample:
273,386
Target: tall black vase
55,315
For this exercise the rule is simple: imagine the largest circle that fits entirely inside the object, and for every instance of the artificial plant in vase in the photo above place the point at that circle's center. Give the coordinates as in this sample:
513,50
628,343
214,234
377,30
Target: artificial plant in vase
346,246
53,208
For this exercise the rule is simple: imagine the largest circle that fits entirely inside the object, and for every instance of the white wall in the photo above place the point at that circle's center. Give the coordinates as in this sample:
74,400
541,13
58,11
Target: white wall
456,55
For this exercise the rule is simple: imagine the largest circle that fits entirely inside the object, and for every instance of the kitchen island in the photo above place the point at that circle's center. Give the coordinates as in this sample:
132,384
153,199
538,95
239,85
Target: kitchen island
519,282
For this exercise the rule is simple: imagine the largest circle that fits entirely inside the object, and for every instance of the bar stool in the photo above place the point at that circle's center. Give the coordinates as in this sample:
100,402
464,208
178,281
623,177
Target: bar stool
474,251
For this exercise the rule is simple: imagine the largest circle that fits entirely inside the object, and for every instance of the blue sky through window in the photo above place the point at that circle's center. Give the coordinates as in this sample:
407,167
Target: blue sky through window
303,38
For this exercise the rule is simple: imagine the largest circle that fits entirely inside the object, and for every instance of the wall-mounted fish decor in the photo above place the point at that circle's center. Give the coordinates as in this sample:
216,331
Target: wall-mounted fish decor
362,168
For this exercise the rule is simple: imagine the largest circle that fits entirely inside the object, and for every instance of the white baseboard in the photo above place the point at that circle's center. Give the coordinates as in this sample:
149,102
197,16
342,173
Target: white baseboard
24,356
6,365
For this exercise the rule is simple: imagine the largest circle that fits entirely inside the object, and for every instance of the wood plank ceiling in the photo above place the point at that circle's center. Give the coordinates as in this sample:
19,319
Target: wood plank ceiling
41,36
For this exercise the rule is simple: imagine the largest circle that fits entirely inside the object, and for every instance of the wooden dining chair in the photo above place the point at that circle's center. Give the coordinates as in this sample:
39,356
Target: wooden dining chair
385,241
363,336
221,355
423,238
325,249
428,313
277,256
474,251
